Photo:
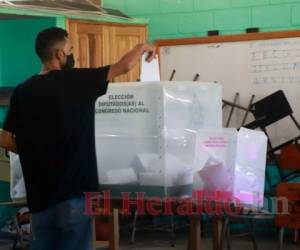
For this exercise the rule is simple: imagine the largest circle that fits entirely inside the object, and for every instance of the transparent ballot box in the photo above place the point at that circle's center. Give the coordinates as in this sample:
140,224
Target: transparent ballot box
230,166
146,135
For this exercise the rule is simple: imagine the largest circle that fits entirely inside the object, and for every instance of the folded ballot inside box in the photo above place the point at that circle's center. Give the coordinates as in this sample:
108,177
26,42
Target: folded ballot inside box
146,132
231,164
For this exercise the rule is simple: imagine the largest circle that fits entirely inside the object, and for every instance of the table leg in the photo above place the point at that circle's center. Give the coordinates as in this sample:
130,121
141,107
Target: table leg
94,233
195,232
296,236
217,231
114,229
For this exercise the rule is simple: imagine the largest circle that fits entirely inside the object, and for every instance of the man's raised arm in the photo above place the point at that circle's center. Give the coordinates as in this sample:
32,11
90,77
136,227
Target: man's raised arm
129,60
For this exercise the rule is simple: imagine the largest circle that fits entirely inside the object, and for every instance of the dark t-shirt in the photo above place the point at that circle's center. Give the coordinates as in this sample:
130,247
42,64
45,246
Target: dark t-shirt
53,118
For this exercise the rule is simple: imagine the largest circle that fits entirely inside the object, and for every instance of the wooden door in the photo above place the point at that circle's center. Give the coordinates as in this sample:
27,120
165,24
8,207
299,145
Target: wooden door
125,39
90,42
98,44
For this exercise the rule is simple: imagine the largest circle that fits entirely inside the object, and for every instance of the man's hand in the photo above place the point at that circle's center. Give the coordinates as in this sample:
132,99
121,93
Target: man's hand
128,61
151,50
8,141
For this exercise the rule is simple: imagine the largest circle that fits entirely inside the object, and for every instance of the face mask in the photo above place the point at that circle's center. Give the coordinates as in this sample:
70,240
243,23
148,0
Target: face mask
70,63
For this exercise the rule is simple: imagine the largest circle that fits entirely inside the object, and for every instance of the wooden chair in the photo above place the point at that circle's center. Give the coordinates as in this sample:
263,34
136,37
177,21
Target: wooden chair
289,160
288,216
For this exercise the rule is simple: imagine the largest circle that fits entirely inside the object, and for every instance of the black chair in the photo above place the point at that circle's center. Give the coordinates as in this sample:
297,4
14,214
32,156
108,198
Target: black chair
249,219
268,111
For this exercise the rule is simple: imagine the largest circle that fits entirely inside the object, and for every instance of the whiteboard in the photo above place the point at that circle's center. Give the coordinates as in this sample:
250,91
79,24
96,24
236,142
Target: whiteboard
258,67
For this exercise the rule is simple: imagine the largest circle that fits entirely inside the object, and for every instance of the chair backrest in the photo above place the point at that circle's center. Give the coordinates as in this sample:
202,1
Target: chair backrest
271,109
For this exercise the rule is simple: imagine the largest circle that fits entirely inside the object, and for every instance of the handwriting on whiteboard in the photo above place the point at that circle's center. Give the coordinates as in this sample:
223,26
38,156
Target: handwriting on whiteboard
276,43
275,67
276,80
275,62
275,54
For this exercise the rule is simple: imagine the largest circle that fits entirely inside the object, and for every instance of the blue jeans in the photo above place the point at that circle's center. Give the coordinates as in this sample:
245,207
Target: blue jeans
62,227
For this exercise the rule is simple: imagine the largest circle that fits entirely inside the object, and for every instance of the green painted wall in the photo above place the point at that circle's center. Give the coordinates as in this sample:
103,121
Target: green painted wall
17,56
18,59
187,18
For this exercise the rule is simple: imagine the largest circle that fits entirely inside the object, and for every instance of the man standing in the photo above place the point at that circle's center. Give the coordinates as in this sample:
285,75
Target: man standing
50,124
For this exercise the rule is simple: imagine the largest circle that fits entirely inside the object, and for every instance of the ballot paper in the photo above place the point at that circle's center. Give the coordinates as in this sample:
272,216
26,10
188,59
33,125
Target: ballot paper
121,176
17,189
151,179
150,71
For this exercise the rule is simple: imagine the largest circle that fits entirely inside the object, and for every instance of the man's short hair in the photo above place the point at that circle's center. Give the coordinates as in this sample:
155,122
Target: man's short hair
46,40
